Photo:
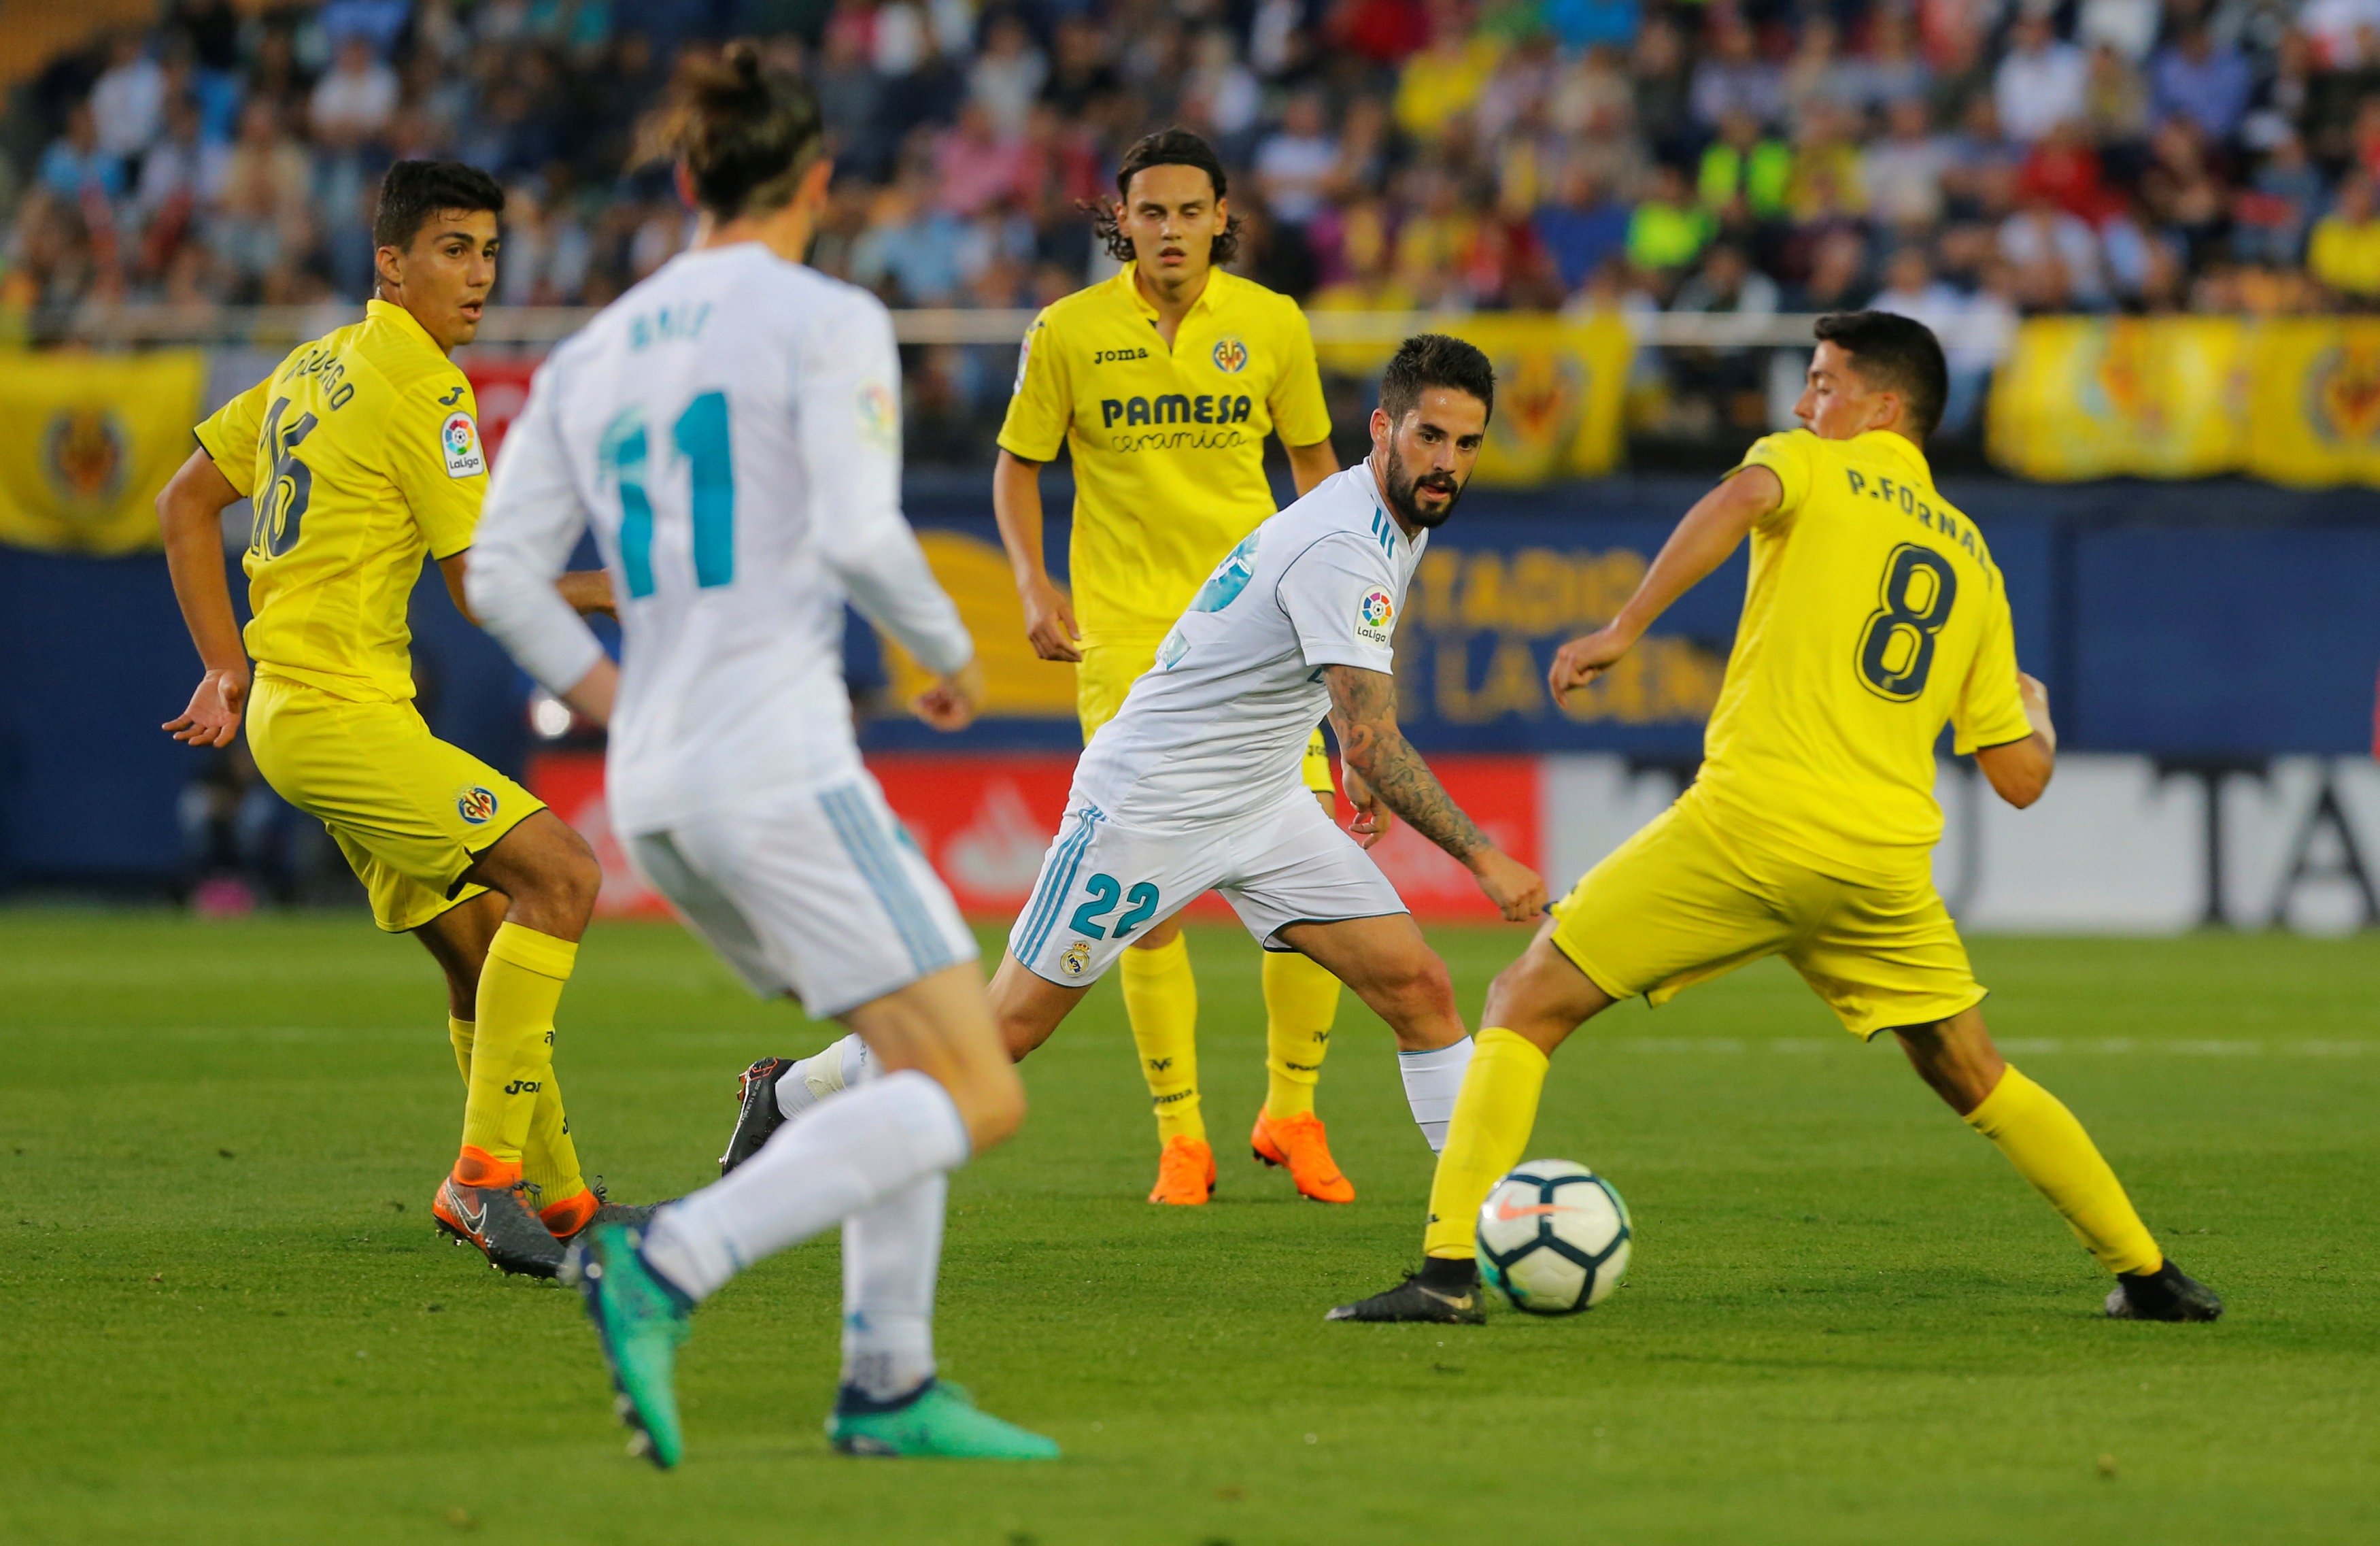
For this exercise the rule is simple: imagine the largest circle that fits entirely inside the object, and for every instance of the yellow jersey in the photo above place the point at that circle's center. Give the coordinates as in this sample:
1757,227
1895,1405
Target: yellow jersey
1168,443
1874,614
362,453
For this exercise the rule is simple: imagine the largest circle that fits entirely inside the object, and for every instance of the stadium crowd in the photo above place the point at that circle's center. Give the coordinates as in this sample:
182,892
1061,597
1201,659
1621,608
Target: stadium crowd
1945,158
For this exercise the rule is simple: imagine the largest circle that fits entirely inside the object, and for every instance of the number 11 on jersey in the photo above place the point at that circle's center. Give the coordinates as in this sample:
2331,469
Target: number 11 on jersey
699,439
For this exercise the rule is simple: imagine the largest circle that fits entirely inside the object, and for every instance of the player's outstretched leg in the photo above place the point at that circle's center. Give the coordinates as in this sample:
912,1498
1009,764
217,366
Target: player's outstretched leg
1533,1004
776,1090
2049,1149
946,1090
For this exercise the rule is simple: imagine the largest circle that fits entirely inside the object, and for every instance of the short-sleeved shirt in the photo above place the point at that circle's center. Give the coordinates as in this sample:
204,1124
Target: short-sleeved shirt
1873,615
362,453
1216,730
1168,443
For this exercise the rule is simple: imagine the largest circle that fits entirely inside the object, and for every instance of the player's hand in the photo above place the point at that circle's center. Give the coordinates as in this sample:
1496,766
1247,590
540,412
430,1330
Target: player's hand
1518,891
1049,621
2036,699
212,718
1583,659
1373,820
951,702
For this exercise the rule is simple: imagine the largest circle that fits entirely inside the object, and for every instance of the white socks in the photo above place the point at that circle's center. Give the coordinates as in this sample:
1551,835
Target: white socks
842,1157
891,1254
1432,1080
815,1077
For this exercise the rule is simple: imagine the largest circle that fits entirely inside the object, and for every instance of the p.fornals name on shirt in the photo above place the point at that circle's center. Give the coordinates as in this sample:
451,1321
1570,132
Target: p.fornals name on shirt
1180,440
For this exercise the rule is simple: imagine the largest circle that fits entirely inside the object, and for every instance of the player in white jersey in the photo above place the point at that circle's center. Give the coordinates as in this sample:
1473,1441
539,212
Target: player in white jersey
730,430
1196,784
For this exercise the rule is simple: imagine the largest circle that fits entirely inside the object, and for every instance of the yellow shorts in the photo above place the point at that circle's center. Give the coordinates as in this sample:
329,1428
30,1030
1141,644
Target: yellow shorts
1108,673
410,812
1678,903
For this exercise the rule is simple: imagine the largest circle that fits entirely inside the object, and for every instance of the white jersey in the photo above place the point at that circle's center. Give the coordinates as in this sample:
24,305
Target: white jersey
1216,730
731,430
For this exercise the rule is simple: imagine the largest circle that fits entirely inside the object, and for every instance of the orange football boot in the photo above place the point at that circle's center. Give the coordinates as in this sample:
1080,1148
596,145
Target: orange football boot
1186,1172
1300,1144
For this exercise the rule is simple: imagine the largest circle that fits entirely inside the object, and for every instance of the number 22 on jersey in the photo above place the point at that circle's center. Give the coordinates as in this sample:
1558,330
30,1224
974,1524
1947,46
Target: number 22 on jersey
699,442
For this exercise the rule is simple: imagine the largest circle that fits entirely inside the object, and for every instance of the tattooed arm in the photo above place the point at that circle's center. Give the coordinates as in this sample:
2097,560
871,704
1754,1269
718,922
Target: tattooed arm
1363,717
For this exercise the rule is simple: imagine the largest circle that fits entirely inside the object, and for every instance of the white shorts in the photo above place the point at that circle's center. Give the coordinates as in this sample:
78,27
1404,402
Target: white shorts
815,892
1101,884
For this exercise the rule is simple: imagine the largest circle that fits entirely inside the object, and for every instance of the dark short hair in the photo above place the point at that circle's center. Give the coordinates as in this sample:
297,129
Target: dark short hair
745,135
1428,360
1894,354
1167,147
413,191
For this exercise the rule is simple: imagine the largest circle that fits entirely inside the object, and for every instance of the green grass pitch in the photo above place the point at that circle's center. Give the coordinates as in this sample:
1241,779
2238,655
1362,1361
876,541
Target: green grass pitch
224,1316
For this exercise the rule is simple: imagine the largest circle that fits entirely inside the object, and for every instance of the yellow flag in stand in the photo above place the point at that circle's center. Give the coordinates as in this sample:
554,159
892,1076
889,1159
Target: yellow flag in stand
1561,383
2314,412
2102,397
87,440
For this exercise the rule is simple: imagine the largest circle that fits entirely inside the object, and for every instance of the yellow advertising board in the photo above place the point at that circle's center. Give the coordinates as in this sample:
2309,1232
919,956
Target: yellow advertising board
87,440
2314,407
1559,386
2114,397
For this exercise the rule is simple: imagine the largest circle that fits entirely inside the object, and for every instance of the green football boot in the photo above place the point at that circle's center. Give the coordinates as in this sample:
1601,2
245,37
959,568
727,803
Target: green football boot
940,1420
639,1319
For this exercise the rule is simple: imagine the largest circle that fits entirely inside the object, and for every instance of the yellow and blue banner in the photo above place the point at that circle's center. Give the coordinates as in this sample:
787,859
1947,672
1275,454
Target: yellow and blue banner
2293,400
85,443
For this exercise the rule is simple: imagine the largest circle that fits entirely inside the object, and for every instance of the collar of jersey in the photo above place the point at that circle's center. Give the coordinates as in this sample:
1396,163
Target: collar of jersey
1898,445
1216,278
402,320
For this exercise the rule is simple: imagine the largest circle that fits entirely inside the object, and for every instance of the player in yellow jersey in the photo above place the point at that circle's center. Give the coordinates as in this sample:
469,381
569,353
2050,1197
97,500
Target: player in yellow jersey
362,453
1164,383
1873,615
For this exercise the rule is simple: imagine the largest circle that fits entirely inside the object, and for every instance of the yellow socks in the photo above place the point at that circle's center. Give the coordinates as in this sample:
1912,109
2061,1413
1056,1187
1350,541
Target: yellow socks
1493,1115
550,1159
2049,1149
1301,1000
512,1054
1161,998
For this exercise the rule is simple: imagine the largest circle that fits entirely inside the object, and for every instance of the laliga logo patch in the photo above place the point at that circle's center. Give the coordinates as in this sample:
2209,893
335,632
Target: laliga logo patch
1231,356
1374,617
1077,959
458,439
475,805
878,415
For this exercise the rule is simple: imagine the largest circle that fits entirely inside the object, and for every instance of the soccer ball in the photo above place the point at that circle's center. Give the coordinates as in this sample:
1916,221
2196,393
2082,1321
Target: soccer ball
1554,1237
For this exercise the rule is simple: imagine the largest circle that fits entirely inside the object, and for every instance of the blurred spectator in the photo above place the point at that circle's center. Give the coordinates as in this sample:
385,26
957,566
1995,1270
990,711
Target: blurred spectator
1903,172
75,167
1298,166
128,104
911,247
1744,171
1662,89
1668,230
1445,78
1733,75
2344,251
1584,227
354,101
975,164
2272,215
2055,256
2115,99
2041,83
1593,24
1008,75
2192,79
2127,28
